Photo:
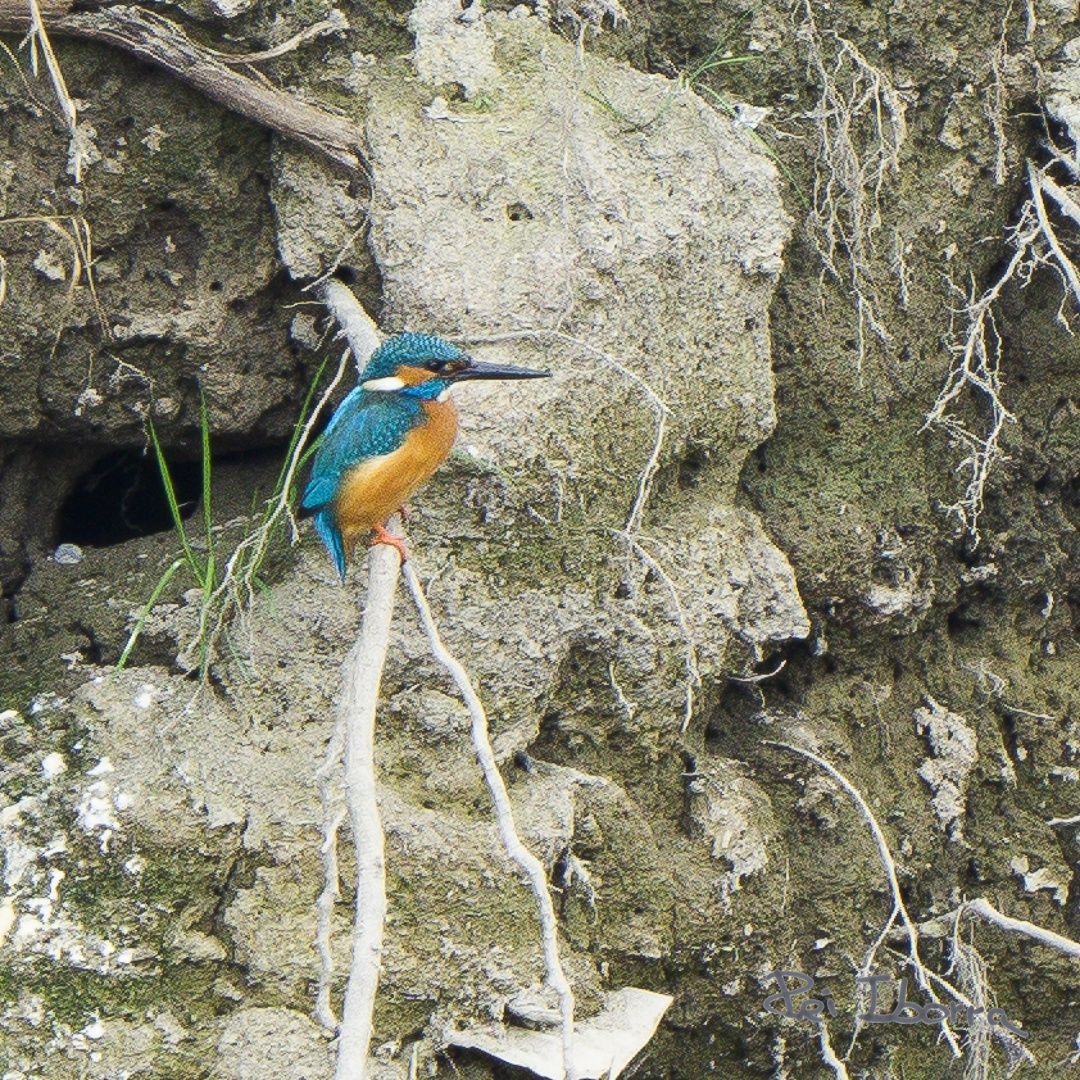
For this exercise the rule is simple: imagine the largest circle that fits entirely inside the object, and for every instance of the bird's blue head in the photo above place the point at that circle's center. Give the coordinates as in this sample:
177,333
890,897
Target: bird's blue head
425,366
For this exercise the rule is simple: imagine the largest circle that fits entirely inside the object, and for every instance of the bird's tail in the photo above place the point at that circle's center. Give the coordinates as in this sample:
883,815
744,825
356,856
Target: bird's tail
326,527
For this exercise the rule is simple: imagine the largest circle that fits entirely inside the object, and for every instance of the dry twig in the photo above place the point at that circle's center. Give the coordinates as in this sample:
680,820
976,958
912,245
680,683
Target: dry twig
39,39
162,42
332,25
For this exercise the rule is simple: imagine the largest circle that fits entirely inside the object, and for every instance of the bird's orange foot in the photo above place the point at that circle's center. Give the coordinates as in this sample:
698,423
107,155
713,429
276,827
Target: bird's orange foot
382,535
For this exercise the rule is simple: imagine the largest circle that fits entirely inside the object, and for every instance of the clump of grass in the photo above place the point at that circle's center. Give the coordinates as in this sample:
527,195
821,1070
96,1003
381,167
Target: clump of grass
694,79
202,569
228,585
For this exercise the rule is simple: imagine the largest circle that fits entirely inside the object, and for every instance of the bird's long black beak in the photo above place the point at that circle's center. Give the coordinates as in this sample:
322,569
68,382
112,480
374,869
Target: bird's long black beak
480,370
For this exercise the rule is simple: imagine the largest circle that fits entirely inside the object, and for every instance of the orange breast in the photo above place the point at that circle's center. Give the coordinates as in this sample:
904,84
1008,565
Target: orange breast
377,487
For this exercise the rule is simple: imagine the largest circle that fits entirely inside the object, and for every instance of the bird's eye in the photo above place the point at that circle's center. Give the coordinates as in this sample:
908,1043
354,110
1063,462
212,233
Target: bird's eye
447,367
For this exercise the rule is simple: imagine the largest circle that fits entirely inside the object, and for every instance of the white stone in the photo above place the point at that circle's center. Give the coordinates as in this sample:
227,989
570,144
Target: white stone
68,555
53,765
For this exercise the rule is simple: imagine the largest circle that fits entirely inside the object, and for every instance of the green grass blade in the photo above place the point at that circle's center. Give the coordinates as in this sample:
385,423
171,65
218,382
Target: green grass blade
305,457
719,100
174,506
159,588
723,61
702,65
725,106
298,427
207,472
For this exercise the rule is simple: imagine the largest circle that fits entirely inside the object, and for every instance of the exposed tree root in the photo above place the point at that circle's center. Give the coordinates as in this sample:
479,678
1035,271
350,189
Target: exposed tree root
976,367
860,121
982,908
968,964
504,816
359,699
899,910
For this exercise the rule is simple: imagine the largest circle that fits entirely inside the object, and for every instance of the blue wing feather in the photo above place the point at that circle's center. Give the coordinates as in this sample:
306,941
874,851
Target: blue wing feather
366,424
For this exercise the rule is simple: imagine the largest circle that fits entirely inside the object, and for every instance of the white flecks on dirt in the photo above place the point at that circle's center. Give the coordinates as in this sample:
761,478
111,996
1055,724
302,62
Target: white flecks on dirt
953,748
734,816
144,698
32,918
49,267
1041,880
53,765
100,803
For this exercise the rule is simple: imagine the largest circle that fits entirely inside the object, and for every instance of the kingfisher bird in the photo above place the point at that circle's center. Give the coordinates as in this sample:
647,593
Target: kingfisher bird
387,438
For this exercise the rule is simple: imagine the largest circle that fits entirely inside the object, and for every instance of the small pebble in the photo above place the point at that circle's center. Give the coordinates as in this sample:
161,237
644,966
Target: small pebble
53,765
68,555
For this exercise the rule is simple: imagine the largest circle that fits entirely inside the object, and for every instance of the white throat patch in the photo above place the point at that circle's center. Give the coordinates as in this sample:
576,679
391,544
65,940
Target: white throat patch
391,382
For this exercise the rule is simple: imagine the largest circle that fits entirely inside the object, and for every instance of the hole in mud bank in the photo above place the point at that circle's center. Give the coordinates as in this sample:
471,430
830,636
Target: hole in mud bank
519,212
960,622
1010,737
92,650
121,497
790,669
966,555
979,601
690,469
1072,598
726,727
973,872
